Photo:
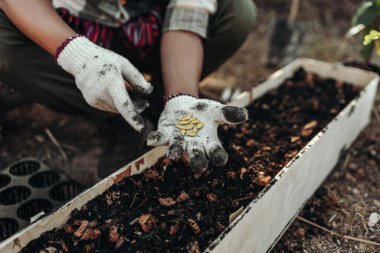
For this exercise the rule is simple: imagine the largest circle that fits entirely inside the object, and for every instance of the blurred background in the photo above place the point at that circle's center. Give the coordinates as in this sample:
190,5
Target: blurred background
324,25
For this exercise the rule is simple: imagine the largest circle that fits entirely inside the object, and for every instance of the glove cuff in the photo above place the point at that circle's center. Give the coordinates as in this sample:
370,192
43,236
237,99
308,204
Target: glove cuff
64,44
75,52
167,98
179,99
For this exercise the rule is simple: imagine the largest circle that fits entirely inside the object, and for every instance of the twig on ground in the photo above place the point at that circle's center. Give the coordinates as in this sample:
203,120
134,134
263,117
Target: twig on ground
371,243
133,201
142,203
333,217
351,224
346,161
70,147
364,223
56,143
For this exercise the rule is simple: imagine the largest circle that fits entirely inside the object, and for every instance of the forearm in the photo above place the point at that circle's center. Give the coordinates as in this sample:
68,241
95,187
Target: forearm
181,60
39,21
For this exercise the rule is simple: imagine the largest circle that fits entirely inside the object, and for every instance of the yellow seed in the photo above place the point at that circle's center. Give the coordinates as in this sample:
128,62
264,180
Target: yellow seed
183,132
185,117
196,121
192,134
184,122
199,125
195,130
186,127
193,118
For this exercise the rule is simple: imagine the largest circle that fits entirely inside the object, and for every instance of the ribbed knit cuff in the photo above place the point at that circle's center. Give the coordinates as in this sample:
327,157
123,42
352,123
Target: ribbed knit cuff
65,43
77,53
180,101
167,98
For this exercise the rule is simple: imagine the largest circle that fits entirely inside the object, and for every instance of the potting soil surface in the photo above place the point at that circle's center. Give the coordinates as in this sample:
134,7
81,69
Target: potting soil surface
170,211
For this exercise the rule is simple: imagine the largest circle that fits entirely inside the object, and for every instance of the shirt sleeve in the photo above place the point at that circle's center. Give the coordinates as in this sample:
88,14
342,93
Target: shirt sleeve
189,15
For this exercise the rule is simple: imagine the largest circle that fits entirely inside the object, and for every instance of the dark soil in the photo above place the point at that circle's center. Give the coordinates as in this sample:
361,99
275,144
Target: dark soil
169,211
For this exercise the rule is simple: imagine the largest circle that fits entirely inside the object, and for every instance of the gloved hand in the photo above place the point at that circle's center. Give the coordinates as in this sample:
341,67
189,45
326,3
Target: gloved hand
100,73
189,125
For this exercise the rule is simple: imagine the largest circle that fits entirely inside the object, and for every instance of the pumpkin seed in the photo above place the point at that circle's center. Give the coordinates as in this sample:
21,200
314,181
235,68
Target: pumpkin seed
199,125
186,127
192,134
189,125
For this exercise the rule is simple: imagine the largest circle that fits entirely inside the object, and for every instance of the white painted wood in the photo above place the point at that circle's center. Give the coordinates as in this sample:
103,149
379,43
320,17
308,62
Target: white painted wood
263,221
269,215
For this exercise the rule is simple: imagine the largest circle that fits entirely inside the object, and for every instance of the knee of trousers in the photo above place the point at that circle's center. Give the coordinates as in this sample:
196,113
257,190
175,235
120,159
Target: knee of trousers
234,21
5,44
5,55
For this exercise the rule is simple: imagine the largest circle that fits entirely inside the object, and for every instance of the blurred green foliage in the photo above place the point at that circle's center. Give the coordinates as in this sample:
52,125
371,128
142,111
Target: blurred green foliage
368,15
370,37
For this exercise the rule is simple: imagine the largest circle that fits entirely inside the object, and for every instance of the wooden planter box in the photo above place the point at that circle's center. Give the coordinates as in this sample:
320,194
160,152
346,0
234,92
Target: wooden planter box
255,229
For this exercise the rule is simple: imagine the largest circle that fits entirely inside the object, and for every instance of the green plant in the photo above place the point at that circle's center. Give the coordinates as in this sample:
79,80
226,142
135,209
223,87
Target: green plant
373,37
368,15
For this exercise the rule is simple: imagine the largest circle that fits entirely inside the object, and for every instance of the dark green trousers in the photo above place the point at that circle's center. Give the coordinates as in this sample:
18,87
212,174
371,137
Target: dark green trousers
30,70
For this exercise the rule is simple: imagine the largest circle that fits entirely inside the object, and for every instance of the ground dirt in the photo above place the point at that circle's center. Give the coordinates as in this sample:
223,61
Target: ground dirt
343,203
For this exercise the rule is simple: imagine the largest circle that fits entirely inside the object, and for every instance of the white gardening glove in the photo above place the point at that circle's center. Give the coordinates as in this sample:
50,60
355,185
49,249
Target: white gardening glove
196,144
100,73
